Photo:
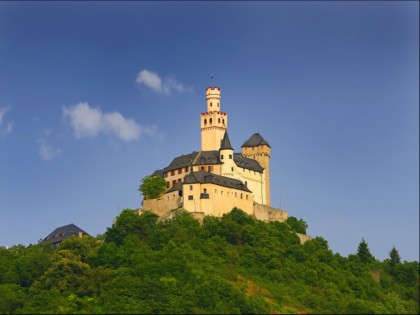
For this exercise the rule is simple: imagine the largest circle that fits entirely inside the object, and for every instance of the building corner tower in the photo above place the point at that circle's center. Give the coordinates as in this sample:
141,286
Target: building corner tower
213,121
257,148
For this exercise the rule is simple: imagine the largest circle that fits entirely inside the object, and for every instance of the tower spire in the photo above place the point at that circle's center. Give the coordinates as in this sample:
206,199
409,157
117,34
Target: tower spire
225,143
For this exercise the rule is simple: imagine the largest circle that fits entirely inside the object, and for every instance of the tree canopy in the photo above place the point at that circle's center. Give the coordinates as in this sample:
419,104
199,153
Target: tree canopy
152,186
234,264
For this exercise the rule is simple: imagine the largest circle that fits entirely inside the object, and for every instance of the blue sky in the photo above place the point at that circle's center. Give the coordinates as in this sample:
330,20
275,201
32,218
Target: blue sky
94,96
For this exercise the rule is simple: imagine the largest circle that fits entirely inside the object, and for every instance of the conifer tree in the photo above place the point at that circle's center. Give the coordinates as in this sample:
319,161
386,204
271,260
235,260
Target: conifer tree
363,252
394,259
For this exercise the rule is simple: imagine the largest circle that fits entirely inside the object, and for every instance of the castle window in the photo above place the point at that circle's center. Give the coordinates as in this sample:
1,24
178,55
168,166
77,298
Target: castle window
180,171
186,169
218,120
223,121
179,180
172,172
173,183
218,105
231,169
205,122
211,104
190,197
246,197
235,194
230,156
190,187
221,157
210,121
205,190
202,168
241,196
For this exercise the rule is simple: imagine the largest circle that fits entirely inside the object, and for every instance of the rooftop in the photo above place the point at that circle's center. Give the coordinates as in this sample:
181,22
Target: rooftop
210,178
255,140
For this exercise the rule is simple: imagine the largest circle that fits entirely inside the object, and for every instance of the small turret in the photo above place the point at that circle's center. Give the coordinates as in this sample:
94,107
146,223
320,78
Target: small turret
226,155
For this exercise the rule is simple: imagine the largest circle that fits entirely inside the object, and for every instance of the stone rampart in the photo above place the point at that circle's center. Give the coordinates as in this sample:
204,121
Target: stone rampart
161,207
267,214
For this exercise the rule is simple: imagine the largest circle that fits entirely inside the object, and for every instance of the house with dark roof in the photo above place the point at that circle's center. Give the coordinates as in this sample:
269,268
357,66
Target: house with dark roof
215,179
63,233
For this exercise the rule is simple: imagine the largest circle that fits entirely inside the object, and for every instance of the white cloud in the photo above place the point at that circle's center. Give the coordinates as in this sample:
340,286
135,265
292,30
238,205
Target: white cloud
86,121
89,122
9,125
46,151
164,86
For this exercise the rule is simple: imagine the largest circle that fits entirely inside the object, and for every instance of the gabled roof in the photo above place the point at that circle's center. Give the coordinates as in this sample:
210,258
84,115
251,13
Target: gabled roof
225,144
254,141
210,178
197,158
247,163
181,161
158,173
62,233
208,157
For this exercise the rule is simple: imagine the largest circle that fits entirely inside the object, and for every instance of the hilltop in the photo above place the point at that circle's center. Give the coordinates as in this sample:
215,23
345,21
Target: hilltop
233,264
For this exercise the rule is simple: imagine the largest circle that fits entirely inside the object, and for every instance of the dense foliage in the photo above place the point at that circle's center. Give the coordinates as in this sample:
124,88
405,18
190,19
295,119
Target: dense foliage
152,186
230,265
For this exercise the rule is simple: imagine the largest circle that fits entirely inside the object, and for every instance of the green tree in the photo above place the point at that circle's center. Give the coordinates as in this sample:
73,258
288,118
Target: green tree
298,226
364,253
394,259
152,186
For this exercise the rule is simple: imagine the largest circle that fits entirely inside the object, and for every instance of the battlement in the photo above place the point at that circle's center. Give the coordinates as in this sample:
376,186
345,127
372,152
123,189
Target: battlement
213,92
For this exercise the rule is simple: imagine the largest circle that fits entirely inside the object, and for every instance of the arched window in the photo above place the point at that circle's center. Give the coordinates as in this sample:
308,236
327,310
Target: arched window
205,122
218,120
223,121
211,121
211,104
218,105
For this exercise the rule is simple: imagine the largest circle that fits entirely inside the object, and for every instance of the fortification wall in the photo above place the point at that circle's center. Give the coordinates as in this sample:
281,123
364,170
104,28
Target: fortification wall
162,206
267,214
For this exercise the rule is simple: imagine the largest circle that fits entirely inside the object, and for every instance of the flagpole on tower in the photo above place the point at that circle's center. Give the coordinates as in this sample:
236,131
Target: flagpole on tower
211,79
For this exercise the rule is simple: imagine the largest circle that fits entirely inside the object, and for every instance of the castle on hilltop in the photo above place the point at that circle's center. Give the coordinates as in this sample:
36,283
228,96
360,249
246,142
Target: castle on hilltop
216,179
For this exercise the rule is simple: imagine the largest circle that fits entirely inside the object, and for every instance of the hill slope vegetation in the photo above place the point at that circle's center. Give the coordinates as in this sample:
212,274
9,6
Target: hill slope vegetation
230,265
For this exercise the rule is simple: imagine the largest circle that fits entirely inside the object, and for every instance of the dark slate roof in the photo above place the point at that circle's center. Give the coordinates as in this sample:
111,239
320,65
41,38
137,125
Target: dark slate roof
62,233
176,187
181,161
225,144
158,173
247,163
206,177
255,141
208,157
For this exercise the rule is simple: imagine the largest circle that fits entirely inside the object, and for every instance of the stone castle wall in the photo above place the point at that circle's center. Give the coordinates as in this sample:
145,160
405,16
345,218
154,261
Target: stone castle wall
267,214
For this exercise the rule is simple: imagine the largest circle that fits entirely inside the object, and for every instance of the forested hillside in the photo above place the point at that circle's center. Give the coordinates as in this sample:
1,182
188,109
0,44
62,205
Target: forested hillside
230,265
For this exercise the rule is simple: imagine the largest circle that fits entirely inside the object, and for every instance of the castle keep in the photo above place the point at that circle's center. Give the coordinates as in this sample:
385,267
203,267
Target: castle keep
216,179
